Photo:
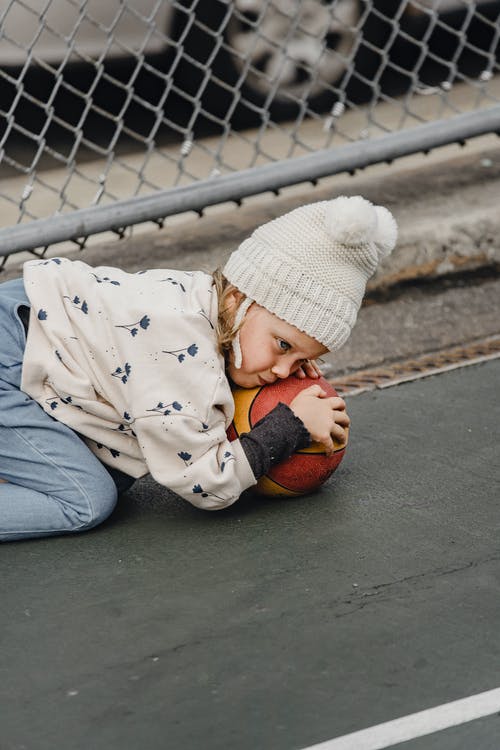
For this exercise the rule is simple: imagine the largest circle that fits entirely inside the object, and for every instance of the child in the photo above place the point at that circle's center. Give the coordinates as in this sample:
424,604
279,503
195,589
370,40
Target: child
106,376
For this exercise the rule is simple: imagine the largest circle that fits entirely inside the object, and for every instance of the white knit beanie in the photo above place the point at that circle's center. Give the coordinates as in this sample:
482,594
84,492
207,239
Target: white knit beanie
310,266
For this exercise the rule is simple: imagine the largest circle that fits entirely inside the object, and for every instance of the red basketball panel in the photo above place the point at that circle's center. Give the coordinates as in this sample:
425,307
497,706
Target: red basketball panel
231,432
305,472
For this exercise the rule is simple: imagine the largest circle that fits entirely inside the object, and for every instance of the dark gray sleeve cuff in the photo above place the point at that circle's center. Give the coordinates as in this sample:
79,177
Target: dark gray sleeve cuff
273,439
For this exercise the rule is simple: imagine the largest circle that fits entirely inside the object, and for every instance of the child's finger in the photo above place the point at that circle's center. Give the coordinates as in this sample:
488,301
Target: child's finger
308,370
342,418
315,390
329,446
312,390
339,433
311,369
337,403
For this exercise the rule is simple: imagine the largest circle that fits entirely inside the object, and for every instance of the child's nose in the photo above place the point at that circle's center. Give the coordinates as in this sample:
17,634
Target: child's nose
282,369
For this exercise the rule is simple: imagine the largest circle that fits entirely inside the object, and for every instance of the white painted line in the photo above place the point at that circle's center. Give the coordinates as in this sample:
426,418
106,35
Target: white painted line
417,725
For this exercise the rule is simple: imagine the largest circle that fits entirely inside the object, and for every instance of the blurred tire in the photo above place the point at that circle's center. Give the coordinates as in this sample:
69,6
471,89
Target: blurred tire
251,59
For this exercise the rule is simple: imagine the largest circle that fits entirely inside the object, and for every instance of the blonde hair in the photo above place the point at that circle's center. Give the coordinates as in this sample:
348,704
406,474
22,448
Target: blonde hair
225,329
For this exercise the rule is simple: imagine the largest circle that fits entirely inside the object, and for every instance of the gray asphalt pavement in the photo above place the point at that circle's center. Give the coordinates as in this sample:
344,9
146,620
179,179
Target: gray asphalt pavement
274,624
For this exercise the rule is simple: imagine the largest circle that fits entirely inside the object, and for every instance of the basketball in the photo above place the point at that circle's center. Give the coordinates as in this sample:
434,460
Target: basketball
307,469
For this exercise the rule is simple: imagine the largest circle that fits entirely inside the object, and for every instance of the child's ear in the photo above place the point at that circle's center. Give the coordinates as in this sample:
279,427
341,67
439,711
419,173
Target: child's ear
233,298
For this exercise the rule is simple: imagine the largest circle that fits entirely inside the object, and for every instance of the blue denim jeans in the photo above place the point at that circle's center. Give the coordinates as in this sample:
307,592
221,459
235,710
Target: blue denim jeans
55,484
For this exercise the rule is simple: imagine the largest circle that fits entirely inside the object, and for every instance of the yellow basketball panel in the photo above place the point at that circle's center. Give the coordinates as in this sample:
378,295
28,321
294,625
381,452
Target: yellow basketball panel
268,486
243,400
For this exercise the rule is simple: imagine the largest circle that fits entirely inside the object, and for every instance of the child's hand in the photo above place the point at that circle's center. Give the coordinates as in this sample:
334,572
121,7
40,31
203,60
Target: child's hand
309,369
324,417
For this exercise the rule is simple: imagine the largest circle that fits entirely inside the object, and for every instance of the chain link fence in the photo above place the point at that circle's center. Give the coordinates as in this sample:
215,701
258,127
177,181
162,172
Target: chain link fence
116,112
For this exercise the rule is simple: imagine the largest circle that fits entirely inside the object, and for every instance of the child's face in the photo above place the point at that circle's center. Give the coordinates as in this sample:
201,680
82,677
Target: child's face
270,348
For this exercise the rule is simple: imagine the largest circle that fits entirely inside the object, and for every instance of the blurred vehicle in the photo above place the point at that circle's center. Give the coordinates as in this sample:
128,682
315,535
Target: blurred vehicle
283,54
239,56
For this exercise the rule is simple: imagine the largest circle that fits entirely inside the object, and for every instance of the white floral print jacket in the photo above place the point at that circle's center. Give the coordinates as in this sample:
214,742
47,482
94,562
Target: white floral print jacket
130,361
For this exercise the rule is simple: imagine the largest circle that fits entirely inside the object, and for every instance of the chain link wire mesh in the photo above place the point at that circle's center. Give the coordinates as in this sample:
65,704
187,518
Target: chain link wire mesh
110,100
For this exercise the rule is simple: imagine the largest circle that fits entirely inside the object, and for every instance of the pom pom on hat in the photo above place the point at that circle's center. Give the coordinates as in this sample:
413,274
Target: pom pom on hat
355,221
310,267
350,221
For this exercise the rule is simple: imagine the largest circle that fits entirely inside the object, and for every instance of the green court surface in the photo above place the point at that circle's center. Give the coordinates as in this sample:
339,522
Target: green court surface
276,624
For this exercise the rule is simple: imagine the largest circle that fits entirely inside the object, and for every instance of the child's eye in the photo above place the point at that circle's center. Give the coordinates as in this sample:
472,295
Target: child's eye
284,345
